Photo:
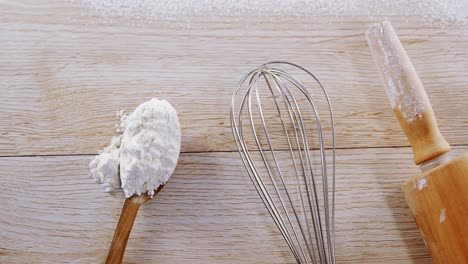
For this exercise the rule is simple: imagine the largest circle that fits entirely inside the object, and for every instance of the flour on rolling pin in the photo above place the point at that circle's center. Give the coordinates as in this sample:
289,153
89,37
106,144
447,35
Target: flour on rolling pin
438,198
145,155
394,68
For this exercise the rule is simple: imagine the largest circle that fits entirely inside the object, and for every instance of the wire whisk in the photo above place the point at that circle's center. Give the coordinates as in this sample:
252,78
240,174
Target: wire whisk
279,133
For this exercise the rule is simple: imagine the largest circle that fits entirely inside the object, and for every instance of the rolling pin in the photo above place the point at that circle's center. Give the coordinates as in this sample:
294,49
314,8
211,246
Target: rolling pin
438,198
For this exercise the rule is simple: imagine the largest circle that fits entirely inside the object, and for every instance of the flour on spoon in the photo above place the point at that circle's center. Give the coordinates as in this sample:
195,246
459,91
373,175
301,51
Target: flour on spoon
145,155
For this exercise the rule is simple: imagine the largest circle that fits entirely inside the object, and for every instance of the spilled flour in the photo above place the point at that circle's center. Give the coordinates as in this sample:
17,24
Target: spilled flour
443,215
432,12
422,183
145,155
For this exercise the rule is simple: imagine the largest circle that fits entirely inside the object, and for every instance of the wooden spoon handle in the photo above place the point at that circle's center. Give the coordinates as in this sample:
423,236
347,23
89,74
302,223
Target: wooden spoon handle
124,227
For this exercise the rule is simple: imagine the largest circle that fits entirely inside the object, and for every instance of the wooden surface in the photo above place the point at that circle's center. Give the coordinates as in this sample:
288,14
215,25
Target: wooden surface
64,73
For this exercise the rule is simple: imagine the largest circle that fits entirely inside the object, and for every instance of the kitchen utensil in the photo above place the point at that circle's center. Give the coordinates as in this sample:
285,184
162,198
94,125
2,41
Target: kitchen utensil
275,122
124,227
438,197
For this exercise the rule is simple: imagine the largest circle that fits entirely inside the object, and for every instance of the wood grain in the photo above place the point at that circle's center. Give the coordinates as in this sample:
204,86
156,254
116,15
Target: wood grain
65,73
208,212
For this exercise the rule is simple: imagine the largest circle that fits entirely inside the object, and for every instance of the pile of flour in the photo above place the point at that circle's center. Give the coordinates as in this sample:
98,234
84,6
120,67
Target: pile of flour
145,155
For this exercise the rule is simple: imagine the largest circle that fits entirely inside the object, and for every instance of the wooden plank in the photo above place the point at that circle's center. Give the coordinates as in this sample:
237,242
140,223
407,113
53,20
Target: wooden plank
64,74
208,213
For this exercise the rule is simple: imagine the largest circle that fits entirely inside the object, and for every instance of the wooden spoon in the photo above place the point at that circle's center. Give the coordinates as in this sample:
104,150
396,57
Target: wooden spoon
124,227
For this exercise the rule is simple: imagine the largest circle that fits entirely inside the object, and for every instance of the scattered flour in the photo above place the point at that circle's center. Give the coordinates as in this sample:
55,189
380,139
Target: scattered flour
443,215
434,12
399,76
145,155
422,183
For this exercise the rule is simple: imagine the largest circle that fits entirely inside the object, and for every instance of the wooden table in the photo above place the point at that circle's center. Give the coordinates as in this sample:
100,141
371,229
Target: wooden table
64,73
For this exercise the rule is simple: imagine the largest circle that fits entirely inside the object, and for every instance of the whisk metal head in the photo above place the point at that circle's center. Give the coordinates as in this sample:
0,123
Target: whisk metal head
279,133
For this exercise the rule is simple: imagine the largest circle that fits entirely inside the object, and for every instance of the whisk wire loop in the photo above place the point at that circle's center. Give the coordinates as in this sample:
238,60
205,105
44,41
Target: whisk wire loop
264,161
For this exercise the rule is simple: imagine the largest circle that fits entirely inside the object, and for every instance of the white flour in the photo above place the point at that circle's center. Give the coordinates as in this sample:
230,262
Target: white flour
443,215
105,167
434,12
145,155
395,68
422,183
